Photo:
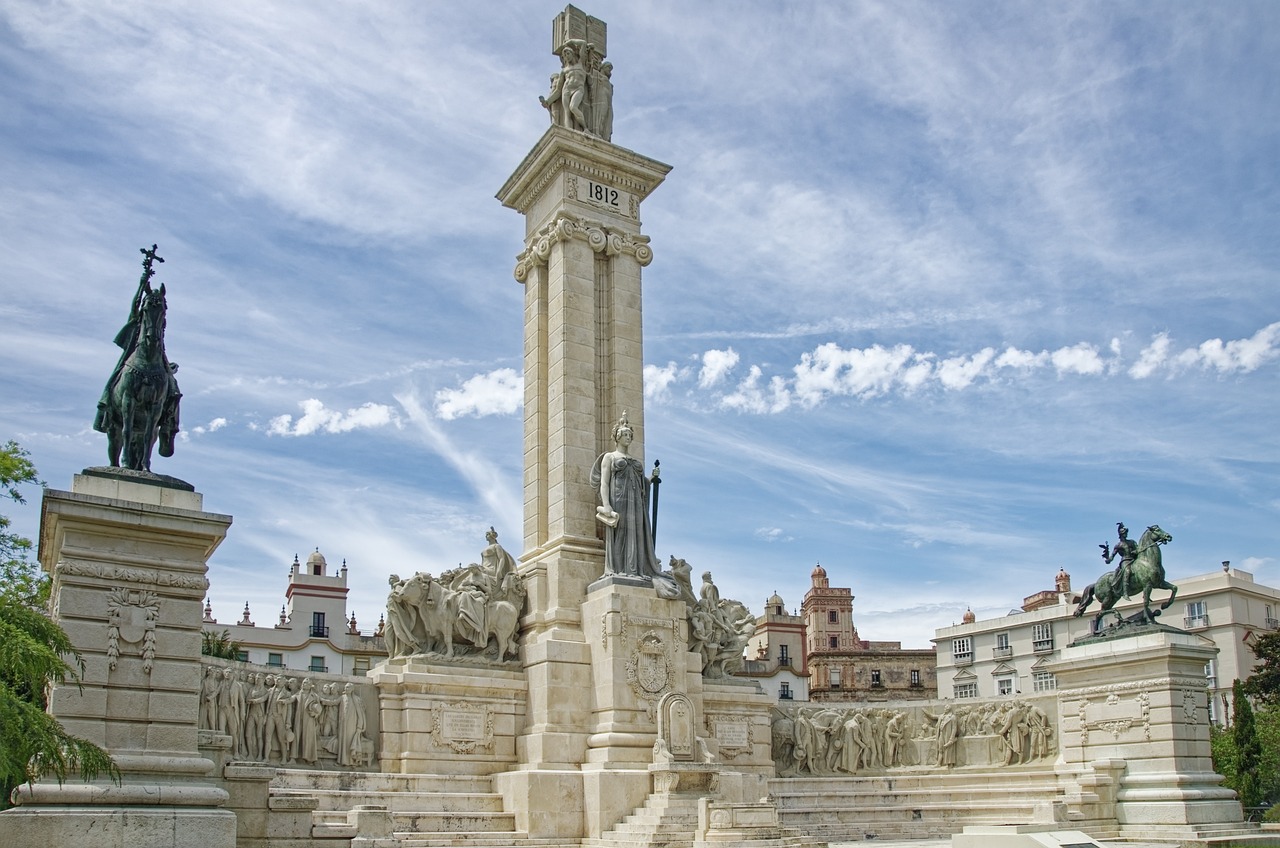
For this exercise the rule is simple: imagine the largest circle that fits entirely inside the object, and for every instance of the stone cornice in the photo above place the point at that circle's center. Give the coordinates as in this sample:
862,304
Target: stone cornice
561,150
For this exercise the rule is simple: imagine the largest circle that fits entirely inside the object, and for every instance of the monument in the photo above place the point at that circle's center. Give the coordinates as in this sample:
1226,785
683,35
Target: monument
580,693
127,551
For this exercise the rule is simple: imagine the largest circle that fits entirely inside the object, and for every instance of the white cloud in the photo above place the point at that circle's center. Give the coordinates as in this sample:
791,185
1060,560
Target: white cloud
716,365
960,371
1239,355
316,417
750,397
657,381
1080,358
832,370
200,429
1024,359
499,392
1151,358
772,534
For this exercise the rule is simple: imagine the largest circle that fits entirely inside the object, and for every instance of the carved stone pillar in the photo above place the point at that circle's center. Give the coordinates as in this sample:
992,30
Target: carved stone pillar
128,561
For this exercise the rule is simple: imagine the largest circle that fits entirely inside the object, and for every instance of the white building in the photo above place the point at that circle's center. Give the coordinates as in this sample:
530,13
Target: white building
1007,655
314,632
775,654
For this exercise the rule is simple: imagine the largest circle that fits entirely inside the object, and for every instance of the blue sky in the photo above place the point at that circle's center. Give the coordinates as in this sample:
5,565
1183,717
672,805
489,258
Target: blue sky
941,291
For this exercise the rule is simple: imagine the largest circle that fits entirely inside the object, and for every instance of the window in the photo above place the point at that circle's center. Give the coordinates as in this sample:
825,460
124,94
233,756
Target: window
962,650
915,677
1043,681
360,666
833,641
1004,686
833,617
1210,674
317,664
1042,638
1002,648
1271,622
276,660
835,678
242,656
966,690
875,677
784,655
784,693
1197,615
318,629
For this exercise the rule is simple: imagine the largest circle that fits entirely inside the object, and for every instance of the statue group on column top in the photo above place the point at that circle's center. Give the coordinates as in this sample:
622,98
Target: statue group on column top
581,95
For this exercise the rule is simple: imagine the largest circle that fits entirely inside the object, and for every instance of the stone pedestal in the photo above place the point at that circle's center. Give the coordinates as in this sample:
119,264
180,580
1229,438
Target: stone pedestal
448,718
128,561
1141,700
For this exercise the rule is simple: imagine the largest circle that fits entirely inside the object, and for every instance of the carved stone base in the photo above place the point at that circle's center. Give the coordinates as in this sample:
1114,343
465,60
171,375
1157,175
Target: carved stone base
1142,701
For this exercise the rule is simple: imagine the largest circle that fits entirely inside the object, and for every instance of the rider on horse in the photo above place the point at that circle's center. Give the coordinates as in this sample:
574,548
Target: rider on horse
1127,550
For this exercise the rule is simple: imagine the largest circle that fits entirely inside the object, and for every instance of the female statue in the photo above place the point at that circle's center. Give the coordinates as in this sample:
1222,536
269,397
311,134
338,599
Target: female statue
624,508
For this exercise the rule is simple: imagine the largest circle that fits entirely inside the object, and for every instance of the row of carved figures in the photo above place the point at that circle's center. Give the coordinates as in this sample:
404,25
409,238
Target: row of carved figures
831,740
273,718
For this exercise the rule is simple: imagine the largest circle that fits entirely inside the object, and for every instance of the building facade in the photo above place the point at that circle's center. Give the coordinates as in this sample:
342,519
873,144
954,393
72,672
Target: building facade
1006,656
775,654
314,632
844,667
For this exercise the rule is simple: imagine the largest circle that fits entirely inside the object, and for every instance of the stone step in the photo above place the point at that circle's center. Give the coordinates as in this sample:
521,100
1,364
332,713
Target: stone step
474,840
302,779
440,802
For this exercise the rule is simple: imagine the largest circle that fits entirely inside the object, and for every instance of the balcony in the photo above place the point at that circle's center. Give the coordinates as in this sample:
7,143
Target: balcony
1273,624
786,696
1042,646
1002,652
319,631
1195,622
965,658
320,668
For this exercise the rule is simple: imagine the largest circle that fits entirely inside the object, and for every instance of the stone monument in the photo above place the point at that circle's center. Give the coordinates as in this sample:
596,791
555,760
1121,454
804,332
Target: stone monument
607,633
127,551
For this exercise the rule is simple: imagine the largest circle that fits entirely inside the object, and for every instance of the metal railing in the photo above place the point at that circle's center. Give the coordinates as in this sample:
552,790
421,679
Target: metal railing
320,631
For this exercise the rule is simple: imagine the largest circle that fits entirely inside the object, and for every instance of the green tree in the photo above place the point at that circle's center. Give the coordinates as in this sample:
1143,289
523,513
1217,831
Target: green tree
34,652
219,645
1248,748
1264,683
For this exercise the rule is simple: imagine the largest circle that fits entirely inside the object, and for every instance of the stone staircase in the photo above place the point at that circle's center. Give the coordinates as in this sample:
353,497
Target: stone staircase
670,820
913,806
424,810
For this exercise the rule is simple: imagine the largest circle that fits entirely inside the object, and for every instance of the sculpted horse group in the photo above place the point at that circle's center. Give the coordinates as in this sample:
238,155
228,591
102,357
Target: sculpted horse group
1144,574
429,616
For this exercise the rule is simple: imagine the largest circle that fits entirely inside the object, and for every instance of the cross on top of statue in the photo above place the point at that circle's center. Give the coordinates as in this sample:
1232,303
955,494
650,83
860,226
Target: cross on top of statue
149,257
581,95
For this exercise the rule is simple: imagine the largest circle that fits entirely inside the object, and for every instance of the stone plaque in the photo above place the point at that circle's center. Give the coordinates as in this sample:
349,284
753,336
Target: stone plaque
732,734
463,727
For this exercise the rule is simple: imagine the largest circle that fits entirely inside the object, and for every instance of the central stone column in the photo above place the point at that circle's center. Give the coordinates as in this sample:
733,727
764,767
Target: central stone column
580,195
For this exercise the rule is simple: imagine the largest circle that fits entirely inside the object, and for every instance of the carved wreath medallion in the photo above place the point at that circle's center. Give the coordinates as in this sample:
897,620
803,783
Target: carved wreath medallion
131,618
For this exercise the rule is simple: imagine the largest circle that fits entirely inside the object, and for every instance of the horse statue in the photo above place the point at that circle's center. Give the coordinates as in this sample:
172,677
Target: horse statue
140,402
1144,574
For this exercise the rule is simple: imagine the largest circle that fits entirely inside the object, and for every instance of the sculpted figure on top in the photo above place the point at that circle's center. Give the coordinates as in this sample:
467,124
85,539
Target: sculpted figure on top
581,96
1141,571
140,402
460,613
